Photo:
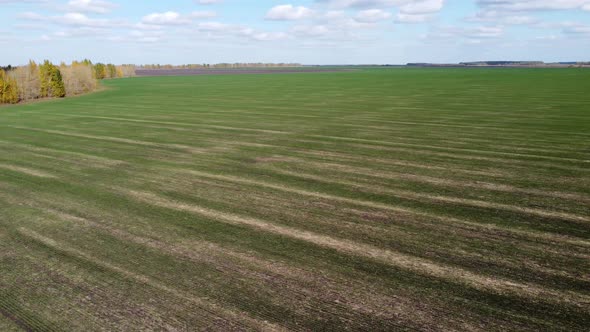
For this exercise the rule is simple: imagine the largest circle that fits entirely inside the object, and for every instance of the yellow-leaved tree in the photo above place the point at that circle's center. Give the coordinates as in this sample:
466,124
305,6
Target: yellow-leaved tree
8,89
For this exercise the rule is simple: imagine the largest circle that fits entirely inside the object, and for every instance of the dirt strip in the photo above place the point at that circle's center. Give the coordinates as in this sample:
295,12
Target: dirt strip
27,171
212,309
400,260
394,175
375,205
447,199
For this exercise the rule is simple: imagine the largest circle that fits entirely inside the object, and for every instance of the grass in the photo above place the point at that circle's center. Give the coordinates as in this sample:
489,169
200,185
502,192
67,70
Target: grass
379,199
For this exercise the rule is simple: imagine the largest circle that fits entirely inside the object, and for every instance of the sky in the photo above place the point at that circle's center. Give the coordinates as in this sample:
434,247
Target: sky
292,31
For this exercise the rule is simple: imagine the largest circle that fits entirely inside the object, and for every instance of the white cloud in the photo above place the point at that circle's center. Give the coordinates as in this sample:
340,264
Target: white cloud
202,14
372,15
500,17
578,30
362,3
332,15
167,18
571,28
31,16
521,12
90,6
80,32
268,36
139,36
547,38
419,11
412,18
288,13
473,33
29,26
224,30
410,11
214,26
532,5
311,30
79,19
483,32
74,19
422,7
25,1
174,18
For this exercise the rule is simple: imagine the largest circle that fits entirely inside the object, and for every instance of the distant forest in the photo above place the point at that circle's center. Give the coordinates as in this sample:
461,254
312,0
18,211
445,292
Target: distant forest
221,65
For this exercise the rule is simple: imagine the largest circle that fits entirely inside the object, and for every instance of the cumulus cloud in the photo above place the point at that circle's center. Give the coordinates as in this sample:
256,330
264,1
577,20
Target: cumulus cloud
361,3
202,14
268,36
25,1
90,6
224,30
569,28
139,37
167,18
422,7
533,5
578,29
79,19
500,17
372,15
31,16
288,13
409,11
372,11
215,26
412,18
419,11
174,18
73,19
465,33
339,25
521,12
311,30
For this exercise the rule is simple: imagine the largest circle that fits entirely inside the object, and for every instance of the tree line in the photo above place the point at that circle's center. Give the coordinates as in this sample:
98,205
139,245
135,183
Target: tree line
220,65
46,80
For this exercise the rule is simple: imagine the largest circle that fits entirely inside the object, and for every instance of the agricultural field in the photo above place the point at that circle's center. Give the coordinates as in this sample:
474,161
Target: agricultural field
366,200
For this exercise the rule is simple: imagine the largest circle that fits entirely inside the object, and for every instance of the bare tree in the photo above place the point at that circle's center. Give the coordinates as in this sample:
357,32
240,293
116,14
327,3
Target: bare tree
27,78
78,78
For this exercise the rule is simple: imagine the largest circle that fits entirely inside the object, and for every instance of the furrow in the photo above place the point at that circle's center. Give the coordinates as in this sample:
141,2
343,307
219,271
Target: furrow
27,171
447,199
301,286
210,308
396,259
513,154
95,159
185,124
115,139
447,182
376,205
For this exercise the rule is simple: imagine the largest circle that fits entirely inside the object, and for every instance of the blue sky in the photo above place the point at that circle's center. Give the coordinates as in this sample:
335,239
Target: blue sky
307,31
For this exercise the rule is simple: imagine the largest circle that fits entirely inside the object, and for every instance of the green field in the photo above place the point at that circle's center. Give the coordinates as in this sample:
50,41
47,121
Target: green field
377,199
